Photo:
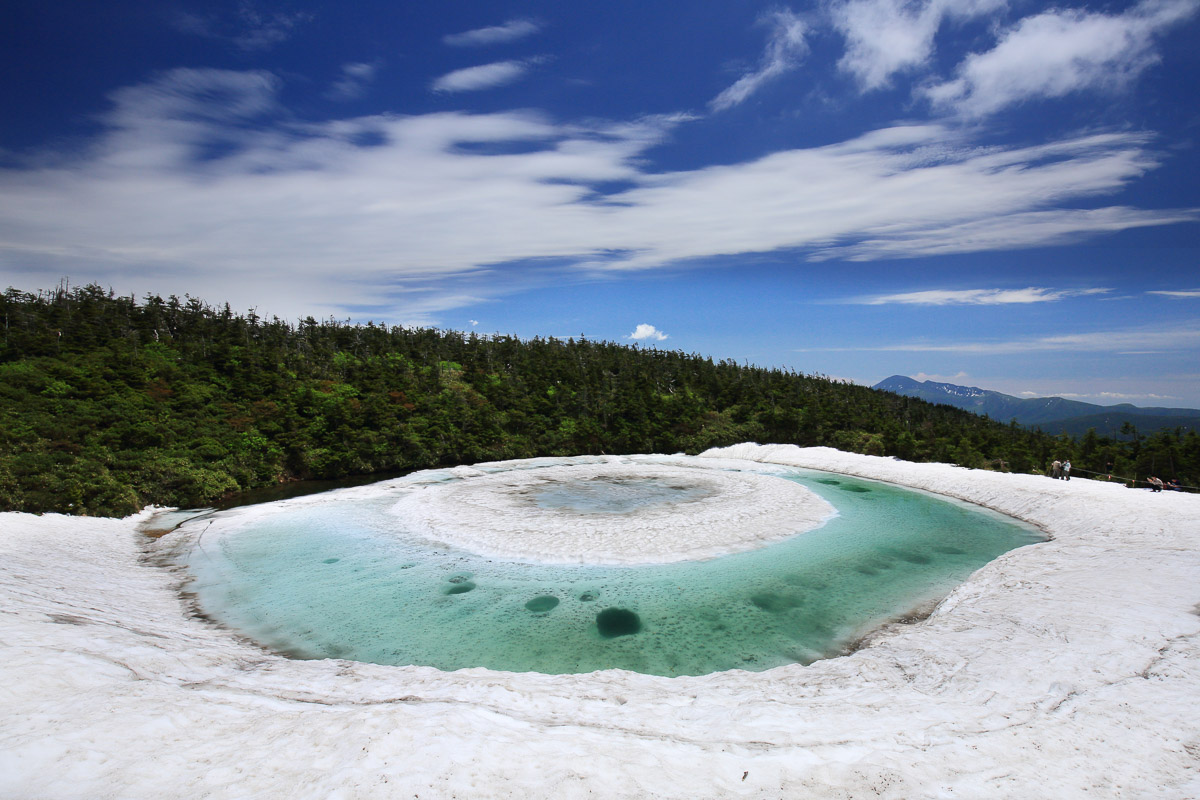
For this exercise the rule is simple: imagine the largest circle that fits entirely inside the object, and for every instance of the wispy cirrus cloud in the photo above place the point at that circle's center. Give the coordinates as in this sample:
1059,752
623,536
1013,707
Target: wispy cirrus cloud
484,76
1103,397
976,297
1059,52
206,172
894,193
1124,341
250,29
1011,231
510,31
786,47
1178,295
354,80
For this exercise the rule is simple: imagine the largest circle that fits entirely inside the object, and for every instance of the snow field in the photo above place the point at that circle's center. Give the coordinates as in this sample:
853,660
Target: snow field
1069,668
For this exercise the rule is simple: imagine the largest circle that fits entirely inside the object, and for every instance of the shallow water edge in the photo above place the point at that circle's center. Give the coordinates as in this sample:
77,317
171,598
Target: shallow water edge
812,596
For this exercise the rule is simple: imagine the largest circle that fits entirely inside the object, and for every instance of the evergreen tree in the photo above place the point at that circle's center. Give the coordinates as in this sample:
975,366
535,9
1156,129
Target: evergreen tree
108,404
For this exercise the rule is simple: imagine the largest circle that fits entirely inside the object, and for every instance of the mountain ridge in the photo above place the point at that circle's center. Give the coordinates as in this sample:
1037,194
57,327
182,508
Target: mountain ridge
1051,414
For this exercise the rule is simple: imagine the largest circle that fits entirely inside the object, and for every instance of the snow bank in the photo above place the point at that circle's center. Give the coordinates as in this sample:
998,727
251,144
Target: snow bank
1064,669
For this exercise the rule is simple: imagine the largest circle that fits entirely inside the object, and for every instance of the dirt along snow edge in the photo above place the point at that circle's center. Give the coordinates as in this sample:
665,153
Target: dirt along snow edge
1068,668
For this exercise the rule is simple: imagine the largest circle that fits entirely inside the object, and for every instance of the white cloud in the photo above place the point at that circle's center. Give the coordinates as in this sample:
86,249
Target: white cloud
353,82
1119,397
1160,389
495,34
423,307
899,192
957,377
195,94
1098,396
1059,52
179,188
644,331
884,37
178,118
786,47
1178,295
1127,341
1007,232
485,76
977,297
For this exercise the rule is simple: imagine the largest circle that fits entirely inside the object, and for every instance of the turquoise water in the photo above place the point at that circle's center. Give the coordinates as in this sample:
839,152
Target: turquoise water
336,580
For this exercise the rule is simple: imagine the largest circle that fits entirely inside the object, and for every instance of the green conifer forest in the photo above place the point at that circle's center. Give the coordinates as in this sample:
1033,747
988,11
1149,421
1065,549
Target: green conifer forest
108,404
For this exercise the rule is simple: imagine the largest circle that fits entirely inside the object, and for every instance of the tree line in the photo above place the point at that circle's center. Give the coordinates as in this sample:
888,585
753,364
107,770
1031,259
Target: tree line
108,404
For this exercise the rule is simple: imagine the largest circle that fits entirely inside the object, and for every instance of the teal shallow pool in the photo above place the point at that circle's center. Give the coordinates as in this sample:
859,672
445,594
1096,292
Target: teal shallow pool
338,579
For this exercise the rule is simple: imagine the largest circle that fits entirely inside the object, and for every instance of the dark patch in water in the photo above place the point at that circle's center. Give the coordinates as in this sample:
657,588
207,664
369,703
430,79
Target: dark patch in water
829,481
866,570
407,566
950,550
911,556
588,597
806,581
542,604
463,578
614,622
331,561
776,602
461,588
859,489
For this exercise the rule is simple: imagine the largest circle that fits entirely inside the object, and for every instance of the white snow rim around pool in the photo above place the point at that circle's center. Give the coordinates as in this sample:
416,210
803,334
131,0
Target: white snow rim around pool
1069,668
495,513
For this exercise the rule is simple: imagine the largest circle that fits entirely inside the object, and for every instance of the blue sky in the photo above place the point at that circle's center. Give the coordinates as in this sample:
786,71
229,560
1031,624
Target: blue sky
993,192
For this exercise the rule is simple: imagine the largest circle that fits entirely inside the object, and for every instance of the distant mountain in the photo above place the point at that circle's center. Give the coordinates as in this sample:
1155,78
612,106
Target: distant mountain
1051,414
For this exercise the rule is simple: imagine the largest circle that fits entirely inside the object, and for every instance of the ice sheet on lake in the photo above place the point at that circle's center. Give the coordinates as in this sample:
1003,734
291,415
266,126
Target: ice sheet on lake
497,513
1065,669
